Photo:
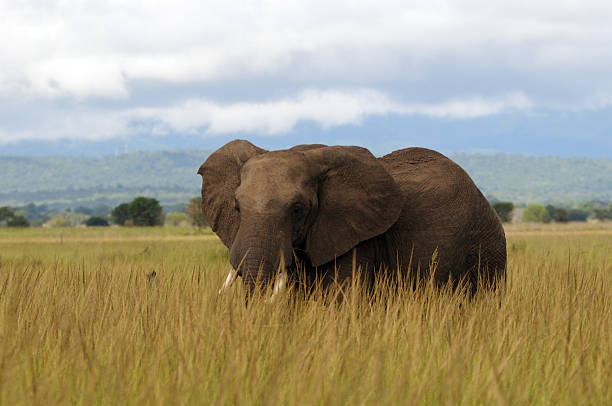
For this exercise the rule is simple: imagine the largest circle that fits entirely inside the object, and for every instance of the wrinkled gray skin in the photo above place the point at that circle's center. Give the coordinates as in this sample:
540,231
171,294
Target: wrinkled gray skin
327,206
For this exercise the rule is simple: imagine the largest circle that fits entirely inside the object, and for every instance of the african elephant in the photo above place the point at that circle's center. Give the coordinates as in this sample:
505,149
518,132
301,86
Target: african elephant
331,207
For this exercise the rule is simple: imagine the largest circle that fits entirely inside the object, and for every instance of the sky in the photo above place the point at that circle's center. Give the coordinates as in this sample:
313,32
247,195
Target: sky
86,77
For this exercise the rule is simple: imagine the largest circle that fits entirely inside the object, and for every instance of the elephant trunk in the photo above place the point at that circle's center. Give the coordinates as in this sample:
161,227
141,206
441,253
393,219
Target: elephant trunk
256,254
256,267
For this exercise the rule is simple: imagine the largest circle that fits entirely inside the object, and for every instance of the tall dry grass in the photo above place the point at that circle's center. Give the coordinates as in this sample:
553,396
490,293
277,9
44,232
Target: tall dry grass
82,321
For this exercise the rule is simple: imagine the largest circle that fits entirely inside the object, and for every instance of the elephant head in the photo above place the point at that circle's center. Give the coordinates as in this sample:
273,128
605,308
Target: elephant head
317,199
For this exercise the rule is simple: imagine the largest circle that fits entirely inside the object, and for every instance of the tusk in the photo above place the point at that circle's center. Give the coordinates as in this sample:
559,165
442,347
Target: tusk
279,285
281,281
231,277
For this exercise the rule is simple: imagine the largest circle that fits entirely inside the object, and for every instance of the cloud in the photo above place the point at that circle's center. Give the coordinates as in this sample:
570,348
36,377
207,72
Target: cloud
93,78
93,49
327,108
69,124
84,68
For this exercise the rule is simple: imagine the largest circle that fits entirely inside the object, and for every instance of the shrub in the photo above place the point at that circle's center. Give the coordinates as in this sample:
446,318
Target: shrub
603,214
194,211
96,221
561,215
18,221
8,218
66,219
578,215
536,213
504,210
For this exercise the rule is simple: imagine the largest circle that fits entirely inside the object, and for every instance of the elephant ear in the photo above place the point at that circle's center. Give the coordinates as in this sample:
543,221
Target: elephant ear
220,178
358,200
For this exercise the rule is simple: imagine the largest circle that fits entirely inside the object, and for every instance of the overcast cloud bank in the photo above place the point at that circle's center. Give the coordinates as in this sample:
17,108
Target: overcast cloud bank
86,69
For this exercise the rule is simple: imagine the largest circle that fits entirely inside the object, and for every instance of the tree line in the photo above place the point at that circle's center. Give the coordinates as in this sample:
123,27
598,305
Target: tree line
147,211
141,211
538,213
75,181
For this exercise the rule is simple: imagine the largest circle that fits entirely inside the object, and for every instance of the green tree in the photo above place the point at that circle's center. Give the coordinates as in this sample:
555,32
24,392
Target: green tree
96,221
536,213
18,221
145,211
603,214
551,211
194,211
578,215
504,210
6,213
8,218
561,215
121,214
35,215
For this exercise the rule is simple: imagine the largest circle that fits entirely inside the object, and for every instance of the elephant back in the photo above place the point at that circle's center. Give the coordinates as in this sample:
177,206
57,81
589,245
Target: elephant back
445,212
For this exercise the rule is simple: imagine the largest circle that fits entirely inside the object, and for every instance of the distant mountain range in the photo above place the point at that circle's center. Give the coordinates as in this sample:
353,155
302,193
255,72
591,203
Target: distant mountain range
170,176
580,133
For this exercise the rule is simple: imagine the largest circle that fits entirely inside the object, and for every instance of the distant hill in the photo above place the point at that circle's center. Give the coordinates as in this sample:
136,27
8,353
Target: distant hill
527,179
62,181
170,176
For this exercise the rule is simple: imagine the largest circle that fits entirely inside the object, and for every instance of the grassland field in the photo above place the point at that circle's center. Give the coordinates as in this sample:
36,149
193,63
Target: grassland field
83,322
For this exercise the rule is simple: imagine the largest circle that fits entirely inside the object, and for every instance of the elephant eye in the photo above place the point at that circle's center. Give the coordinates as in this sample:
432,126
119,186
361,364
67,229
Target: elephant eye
236,206
297,211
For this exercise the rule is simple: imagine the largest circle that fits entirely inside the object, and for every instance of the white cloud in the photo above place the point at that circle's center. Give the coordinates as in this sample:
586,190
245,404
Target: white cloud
88,48
439,58
328,108
78,77
473,107
73,124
